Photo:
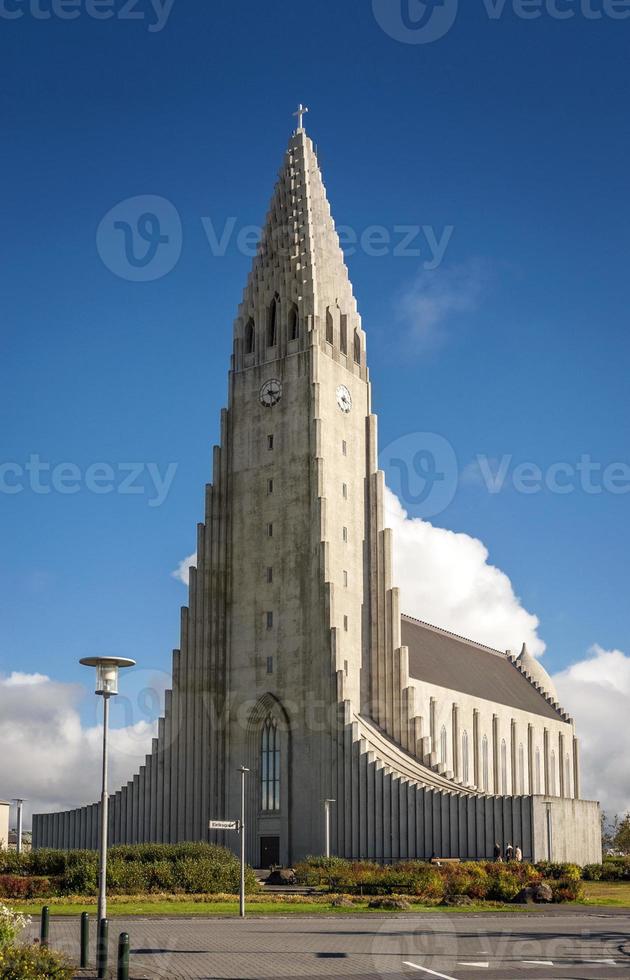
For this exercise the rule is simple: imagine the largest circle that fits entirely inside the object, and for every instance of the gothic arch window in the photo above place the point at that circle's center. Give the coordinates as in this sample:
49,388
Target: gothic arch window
294,323
250,336
465,759
443,746
521,768
504,770
552,774
567,776
343,335
270,766
272,323
357,347
538,783
485,765
330,336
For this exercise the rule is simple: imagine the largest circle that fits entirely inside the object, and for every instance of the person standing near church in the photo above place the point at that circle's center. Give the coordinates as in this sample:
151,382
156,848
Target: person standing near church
518,854
497,852
509,853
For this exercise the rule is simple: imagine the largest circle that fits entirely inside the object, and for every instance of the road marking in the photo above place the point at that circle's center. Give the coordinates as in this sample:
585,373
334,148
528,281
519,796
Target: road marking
483,966
432,973
601,962
538,962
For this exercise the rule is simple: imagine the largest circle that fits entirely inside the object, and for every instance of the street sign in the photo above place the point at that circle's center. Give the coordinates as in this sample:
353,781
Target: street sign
223,825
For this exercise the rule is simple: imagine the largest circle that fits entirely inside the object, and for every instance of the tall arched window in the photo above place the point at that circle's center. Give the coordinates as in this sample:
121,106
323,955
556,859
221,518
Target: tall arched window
330,336
272,324
538,781
553,789
270,767
250,336
357,347
567,776
294,323
443,746
504,770
521,769
485,765
465,761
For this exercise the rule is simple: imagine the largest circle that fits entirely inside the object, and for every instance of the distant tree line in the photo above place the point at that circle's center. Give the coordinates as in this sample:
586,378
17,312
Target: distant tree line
616,833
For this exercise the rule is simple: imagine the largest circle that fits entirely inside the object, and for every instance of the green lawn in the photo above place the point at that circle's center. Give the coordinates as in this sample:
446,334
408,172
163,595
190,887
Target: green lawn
120,908
614,893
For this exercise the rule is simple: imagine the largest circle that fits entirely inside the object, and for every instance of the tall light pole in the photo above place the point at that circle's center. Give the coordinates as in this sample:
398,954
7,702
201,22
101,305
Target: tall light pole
243,771
107,669
327,806
18,843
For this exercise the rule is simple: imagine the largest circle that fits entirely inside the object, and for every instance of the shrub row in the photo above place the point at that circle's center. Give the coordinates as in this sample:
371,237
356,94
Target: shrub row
33,963
188,868
481,881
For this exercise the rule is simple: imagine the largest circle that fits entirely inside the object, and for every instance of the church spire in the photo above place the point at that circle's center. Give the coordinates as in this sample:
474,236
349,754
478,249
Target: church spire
300,267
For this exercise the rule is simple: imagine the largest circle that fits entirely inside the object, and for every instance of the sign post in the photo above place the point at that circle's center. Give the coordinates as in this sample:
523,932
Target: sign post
239,827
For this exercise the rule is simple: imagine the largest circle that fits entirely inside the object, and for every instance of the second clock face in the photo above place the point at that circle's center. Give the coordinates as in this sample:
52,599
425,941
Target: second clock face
344,399
271,393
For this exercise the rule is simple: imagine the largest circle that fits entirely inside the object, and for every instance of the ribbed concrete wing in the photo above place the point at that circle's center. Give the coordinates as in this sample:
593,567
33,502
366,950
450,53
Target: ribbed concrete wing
446,660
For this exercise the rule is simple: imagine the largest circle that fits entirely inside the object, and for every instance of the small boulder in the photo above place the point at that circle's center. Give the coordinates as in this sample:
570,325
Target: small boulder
390,904
534,895
282,876
342,902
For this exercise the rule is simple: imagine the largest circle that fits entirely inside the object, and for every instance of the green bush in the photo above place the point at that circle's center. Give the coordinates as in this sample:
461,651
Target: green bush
568,872
131,870
33,963
567,890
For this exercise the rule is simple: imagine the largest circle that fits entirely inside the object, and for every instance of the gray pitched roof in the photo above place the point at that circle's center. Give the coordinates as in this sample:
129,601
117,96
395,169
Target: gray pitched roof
446,660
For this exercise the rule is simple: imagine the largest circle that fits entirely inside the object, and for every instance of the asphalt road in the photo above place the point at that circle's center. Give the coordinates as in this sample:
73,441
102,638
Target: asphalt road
576,944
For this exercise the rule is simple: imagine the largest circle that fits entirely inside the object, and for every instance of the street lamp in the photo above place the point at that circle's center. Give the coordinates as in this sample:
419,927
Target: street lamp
107,686
327,806
243,771
18,843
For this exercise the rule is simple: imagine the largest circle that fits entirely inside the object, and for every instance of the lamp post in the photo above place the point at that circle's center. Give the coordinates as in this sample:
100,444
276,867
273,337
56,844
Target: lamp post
18,843
327,806
107,669
243,771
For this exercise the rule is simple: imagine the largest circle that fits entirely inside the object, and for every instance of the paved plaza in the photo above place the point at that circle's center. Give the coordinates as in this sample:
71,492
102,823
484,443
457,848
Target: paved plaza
567,945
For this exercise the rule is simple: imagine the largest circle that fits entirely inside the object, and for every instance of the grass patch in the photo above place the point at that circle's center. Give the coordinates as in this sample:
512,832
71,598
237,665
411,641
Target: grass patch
611,893
227,906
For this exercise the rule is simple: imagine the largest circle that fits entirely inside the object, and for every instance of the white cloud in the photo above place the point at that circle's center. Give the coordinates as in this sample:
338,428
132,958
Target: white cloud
182,571
445,579
16,679
48,757
437,296
596,692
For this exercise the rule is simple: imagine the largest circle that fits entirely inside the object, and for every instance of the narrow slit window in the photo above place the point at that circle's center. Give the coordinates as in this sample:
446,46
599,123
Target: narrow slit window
270,530
250,337
329,327
344,448
269,620
345,535
345,491
345,623
343,335
270,665
270,575
272,323
270,442
270,767
357,347
294,323
269,486
345,579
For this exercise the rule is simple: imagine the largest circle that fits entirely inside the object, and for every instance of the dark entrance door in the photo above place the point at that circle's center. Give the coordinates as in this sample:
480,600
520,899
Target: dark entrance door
269,851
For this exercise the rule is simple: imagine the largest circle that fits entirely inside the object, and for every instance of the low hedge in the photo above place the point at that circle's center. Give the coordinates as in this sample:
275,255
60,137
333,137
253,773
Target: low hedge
131,870
432,883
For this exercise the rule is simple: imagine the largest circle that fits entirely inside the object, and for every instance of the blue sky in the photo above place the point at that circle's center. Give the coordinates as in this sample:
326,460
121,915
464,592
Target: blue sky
512,132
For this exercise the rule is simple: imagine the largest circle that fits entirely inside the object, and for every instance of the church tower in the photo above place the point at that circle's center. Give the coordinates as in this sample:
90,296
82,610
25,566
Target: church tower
295,660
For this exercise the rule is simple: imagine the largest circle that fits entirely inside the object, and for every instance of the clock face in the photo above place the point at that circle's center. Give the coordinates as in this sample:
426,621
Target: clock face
271,393
344,399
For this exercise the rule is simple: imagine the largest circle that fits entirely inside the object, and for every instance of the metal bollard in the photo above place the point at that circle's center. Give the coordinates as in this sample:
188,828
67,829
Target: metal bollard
85,940
123,957
45,926
102,949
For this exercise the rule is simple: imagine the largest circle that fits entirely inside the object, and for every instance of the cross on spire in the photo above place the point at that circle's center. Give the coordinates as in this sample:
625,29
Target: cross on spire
301,110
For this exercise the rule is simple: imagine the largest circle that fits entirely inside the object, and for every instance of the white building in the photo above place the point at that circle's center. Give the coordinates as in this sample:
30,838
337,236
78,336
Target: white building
295,657
5,810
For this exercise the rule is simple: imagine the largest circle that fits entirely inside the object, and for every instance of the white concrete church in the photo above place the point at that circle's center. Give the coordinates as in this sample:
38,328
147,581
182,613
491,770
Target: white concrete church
296,659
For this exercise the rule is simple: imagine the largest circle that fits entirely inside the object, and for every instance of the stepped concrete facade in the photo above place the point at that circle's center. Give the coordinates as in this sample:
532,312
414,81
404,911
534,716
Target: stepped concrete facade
296,659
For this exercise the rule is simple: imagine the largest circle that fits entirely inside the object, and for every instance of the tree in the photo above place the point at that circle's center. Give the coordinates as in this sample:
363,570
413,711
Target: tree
621,839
